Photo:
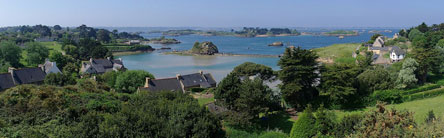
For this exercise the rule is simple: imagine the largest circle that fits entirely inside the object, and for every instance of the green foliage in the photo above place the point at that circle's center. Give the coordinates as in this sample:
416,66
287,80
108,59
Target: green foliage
10,53
48,111
430,117
440,43
414,33
273,134
245,99
298,76
37,53
205,48
422,95
59,79
347,125
305,125
389,96
406,77
339,83
251,69
197,89
385,123
373,79
130,81
129,48
325,122
60,59
109,78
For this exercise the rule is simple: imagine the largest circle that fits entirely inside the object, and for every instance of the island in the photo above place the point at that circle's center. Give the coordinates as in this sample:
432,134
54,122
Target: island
163,40
245,32
340,33
276,44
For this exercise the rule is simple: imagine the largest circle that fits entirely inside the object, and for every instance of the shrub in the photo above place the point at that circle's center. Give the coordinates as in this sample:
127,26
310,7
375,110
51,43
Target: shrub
304,126
389,96
347,125
197,89
421,89
423,95
273,134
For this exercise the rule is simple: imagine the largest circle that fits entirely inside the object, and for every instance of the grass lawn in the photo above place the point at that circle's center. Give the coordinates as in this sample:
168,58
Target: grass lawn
338,52
204,101
53,46
278,121
419,107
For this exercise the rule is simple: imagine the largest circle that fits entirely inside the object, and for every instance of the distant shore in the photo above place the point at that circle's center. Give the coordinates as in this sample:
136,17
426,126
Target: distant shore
124,53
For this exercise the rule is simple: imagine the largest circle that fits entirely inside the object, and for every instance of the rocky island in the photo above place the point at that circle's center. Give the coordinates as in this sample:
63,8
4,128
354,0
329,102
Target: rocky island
340,33
276,44
204,48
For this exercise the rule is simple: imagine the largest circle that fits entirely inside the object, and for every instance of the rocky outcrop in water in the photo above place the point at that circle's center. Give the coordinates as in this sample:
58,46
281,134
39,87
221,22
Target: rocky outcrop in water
204,48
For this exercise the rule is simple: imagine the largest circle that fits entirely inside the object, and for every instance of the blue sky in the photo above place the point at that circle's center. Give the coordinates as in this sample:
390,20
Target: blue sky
222,13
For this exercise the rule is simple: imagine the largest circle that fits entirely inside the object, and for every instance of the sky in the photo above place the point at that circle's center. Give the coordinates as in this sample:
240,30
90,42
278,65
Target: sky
222,13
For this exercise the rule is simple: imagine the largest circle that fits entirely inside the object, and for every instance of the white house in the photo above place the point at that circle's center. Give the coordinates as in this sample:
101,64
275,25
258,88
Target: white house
396,54
50,67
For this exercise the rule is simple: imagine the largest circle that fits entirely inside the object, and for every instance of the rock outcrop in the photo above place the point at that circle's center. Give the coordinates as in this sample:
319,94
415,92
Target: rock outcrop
204,48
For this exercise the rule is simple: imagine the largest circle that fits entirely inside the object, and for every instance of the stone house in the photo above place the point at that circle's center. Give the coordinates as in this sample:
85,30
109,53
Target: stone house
100,66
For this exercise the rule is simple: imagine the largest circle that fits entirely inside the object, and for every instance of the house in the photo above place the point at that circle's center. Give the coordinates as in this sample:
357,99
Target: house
197,80
49,67
379,50
100,66
6,81
379,42
180,83
396,54
396,36
133,42
16,77
166,84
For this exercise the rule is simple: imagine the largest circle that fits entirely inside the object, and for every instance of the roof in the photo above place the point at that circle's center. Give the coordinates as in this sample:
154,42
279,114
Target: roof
197,80
397,50
379,48
6,81
167,84
103,65
50,67
375,56
29,75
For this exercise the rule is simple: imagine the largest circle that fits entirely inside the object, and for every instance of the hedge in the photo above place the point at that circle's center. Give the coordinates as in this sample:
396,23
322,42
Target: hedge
420,89
423,95
389,96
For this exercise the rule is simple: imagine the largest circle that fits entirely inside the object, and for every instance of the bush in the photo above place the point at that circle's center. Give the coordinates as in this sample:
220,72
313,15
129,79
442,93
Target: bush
304,126
422,95
130,81
347,125
389,96
421,89
273,134
197,89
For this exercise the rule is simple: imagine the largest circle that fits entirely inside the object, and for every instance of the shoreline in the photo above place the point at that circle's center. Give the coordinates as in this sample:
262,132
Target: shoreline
125,53
185,53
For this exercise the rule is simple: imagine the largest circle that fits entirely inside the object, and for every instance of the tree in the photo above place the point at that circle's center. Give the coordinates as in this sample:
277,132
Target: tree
228,90
305,125
252,69
57,27
440,43
426,56
71,69
299,74
406,77
339,83
423,27
59,79
325,122
60,59
10,53
373,79
414,33
130,81
103,35
37,53
365,62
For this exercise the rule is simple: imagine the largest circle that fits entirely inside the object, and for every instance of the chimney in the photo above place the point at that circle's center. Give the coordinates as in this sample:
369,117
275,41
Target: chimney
178,76
120,59
90,60
147,81
109,58
11,70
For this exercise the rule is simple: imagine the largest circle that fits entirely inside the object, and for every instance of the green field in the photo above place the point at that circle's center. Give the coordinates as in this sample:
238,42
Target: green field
341,53
53,46
419,107
204,101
